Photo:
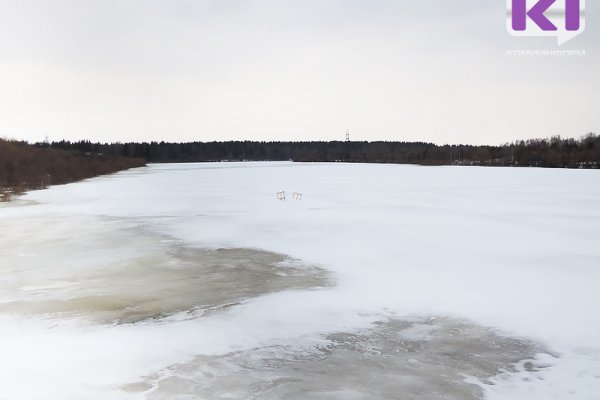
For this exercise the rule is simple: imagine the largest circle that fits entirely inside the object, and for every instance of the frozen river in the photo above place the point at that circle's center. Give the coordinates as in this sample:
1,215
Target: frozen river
193,281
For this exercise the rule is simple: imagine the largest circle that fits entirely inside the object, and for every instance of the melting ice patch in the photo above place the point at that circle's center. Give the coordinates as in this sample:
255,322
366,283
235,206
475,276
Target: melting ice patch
407,358
179,280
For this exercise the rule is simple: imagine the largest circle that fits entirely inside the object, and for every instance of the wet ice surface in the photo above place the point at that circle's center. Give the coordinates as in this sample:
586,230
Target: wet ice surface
174,279
408,358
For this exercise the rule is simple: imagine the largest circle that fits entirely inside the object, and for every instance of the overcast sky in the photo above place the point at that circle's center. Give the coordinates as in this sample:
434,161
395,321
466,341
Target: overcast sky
182,70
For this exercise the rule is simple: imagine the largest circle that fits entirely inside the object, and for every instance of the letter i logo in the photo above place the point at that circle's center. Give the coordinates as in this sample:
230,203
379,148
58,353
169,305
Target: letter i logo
563,19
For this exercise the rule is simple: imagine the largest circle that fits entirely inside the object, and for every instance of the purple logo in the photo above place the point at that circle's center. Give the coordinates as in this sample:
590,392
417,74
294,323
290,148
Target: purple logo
563,19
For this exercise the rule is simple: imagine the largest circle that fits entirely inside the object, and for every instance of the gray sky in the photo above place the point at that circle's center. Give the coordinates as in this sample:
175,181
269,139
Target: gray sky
182,70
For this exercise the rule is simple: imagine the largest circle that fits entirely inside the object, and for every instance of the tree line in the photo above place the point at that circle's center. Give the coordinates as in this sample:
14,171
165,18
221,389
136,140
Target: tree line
24,166
30,166
554,152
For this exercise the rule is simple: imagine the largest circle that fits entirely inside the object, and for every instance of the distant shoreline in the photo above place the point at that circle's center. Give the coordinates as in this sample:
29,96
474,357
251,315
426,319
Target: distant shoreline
554,152
25,166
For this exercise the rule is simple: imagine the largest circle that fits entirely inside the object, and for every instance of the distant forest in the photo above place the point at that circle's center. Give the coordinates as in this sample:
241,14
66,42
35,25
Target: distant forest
24,166
554,152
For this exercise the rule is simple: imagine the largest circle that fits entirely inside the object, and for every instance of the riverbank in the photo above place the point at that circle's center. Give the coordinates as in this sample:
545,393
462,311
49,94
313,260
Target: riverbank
26,167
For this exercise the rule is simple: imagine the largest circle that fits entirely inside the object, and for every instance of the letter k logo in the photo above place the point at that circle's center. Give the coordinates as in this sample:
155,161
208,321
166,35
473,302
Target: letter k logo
536,14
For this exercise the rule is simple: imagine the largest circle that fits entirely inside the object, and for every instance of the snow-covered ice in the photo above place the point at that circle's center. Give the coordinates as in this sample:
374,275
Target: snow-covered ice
146,283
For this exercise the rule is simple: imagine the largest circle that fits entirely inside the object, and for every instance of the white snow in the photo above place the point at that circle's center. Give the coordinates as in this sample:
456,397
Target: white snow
513,249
